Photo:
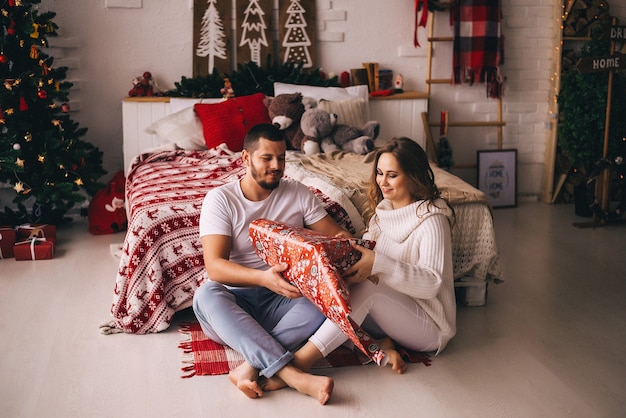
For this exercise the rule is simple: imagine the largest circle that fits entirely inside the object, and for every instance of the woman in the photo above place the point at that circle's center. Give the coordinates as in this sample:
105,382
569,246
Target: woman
409,297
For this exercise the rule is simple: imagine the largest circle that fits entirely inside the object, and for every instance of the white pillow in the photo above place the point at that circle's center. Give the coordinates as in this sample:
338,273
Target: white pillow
349,112
329,93
182,128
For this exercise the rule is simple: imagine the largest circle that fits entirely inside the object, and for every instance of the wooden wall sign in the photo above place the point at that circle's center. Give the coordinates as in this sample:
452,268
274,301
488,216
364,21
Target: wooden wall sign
291,37
212,36
613,62
297,32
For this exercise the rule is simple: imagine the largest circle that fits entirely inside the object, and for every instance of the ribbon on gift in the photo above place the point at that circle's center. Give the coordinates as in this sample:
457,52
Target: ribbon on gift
33,242
35,231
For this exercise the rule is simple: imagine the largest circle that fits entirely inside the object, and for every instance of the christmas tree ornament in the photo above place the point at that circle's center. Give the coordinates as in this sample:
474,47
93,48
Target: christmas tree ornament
19,162
41,158
3,58
17,147
19,187
42,94
28,136
23,104
65,107
35,33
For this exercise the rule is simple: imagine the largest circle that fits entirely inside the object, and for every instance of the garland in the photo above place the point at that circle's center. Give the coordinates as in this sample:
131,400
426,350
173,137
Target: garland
249,79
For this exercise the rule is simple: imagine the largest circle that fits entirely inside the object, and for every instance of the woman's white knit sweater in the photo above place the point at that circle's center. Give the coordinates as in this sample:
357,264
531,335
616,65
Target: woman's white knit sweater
414,256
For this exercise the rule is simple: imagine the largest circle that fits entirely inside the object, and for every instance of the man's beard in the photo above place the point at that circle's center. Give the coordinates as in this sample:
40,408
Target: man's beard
264,184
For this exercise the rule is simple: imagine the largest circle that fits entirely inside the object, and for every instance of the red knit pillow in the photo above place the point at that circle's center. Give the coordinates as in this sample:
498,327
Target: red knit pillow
229,121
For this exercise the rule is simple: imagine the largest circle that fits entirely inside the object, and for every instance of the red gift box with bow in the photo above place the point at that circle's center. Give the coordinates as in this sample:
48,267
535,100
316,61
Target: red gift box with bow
34,249
28,231
7,240
316,262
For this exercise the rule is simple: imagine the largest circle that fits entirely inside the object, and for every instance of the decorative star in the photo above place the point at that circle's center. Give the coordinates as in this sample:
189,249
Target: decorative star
41,158
78,182
19,187
19,162
56,122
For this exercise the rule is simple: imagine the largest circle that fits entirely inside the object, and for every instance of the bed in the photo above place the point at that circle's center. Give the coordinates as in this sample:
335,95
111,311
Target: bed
161,261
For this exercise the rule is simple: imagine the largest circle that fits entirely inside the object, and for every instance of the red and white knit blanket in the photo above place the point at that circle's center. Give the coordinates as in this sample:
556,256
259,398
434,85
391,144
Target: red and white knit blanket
161,262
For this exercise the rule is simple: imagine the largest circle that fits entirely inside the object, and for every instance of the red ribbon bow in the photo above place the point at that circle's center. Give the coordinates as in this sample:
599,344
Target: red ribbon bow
422,20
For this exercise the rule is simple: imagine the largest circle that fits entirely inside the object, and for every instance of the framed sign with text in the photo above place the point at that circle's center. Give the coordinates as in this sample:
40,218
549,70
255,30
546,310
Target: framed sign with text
497,176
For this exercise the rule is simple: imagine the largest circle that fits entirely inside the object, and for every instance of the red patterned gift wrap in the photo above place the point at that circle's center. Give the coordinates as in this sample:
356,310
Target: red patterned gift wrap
28,231
7,240
316,262
34,249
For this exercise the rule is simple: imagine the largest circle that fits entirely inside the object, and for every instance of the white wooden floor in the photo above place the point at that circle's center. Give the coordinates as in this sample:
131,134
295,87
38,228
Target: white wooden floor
550,342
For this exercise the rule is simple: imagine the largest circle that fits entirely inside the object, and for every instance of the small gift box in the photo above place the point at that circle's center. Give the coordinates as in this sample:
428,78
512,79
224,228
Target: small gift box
7,240
316,262
34,249
28,231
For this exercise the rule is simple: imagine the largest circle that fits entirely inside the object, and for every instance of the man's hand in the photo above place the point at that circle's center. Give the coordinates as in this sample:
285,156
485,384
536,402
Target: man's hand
275,282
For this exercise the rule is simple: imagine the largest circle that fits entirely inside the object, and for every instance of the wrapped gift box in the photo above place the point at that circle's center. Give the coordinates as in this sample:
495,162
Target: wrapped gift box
316,262
27,231
7,240
34,249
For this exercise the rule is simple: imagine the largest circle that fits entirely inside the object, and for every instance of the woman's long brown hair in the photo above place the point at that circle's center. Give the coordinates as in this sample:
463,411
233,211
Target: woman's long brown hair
414,164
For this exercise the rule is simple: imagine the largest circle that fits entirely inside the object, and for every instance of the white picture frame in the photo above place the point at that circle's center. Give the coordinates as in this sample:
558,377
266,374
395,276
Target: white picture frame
496,176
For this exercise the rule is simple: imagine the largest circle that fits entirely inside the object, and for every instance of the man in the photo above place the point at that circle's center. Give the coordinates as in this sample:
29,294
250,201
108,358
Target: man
245,304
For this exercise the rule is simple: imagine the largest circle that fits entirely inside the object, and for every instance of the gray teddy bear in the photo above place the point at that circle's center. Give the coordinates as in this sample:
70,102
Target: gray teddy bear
322,133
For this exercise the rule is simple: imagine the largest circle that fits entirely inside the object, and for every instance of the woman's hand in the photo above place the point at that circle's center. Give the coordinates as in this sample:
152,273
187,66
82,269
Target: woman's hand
275,282
362,270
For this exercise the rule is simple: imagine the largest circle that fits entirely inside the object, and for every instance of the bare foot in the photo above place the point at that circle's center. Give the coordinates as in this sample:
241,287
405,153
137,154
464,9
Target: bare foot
272,383
318,387
245,377
394,359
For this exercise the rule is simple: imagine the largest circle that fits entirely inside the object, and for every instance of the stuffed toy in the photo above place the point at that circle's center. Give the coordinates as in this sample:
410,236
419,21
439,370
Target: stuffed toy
324,134
285,111
142,86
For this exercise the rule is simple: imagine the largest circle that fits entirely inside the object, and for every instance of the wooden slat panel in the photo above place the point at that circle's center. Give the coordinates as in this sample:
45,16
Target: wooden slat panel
254,30
297,32
220,55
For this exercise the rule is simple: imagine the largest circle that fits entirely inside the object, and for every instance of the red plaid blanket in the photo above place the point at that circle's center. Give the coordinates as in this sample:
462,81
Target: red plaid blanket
202,356
478,45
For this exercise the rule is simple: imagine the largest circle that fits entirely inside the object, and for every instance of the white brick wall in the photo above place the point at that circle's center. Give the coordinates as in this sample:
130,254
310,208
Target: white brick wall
117,44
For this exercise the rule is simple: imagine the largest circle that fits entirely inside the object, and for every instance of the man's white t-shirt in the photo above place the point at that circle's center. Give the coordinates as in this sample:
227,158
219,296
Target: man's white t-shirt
225,211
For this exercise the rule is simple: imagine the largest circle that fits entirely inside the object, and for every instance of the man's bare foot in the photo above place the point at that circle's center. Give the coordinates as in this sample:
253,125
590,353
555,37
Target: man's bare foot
394,359
318,387
245,377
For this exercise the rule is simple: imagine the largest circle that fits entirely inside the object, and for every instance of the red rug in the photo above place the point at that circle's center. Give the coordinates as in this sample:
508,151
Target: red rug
202,356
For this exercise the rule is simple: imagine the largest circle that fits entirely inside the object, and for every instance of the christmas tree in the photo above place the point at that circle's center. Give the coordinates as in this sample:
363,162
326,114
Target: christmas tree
41,154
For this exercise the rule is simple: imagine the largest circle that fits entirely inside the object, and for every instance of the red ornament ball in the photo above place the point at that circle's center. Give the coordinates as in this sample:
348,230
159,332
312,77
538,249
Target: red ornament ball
42,94
65,108
3,59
